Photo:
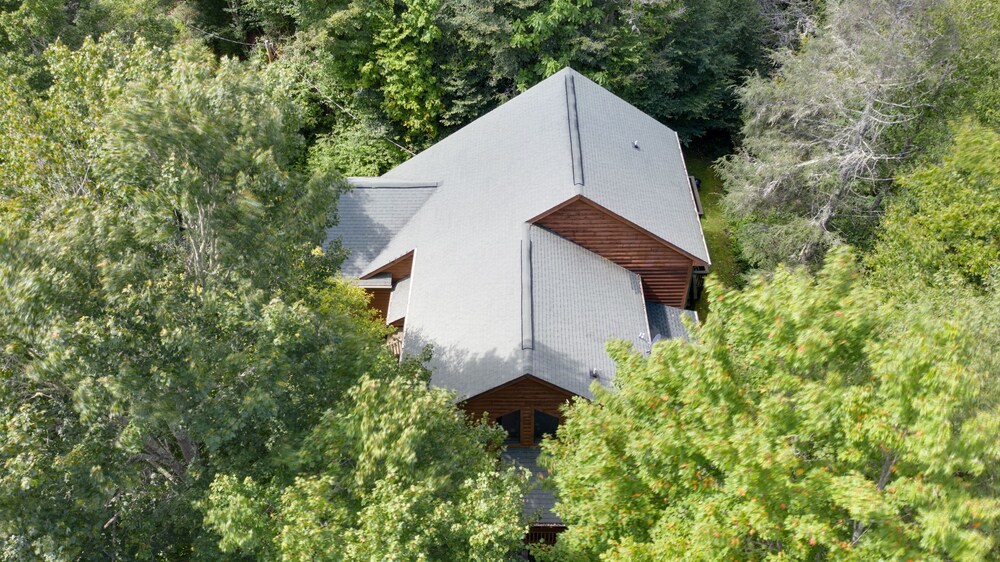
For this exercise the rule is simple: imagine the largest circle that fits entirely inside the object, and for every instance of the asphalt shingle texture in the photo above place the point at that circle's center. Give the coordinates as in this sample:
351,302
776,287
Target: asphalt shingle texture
665,321
538,501
580,301
370,215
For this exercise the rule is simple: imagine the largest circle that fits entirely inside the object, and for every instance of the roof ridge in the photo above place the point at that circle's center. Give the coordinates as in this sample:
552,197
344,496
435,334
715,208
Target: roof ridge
527,303
574,132
369,182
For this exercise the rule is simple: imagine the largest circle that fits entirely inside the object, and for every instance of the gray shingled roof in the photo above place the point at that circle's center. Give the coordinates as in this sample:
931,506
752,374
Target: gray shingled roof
538,501
473,296
665,321
371,214
647,185
398,300
579,302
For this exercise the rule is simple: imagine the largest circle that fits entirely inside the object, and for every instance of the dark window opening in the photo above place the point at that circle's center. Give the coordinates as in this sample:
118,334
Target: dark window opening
544,425
511,423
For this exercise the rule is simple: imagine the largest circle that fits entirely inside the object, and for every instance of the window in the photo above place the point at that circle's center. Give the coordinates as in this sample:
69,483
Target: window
544,425
511,423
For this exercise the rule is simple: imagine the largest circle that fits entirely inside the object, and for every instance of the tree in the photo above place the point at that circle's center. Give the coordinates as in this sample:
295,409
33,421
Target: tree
824,136
698,54
789,21
373,57
417,70
165,309
676,60
805,420
29,27
396,473
946,218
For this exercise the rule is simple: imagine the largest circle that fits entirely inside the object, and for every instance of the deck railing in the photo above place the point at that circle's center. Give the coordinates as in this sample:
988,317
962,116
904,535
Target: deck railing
395,343
543,534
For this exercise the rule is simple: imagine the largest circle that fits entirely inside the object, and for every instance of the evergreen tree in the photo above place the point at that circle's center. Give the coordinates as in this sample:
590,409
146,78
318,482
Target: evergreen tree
824,136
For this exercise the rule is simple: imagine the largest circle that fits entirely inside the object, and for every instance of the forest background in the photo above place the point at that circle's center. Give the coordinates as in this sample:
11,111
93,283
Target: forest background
183,376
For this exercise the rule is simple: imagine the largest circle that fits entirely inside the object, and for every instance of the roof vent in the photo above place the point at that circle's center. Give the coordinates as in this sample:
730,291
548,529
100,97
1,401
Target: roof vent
635,145
595,374
645,340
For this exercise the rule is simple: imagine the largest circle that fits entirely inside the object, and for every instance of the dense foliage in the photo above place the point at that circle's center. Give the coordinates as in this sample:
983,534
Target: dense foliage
822,138
183,378
805,421
944,222
166,312
395,475
147,340
416,69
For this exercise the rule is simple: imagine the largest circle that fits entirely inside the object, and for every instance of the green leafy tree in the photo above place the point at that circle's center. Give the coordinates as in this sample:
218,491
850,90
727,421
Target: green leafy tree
164,306
946,218
677,60
395,473
374,57
806,420
416,70
696,56
29,27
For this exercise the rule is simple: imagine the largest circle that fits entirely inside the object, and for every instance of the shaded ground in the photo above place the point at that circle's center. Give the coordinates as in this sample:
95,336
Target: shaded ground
724,267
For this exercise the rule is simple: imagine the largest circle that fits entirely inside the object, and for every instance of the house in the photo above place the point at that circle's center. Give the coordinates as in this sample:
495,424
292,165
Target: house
519,245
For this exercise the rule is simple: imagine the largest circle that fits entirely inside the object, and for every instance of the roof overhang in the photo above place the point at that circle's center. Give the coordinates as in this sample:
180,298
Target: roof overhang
522,378
379,281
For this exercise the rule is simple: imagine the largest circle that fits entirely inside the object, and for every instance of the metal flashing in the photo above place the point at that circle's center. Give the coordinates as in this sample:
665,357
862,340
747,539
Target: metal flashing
527,320
574,130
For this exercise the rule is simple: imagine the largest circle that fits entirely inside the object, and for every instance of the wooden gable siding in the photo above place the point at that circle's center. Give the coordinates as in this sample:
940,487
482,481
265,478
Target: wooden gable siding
665,271
379,301
399,268
526,394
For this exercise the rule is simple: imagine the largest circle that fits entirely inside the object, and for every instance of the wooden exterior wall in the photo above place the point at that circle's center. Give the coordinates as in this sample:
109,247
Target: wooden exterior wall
665,271
379,301
543,534
399,267
526,394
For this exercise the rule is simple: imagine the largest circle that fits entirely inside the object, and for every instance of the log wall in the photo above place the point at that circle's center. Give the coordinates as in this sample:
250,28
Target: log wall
526,394
665,271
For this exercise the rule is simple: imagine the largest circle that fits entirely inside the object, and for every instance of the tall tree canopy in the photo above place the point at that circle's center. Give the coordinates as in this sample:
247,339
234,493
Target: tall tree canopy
163,311
823,138
396,474
946,218
168,319
415,70
804,421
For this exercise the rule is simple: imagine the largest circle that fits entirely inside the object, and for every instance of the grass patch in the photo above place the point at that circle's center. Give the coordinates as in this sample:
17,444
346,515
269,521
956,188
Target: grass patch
721,249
